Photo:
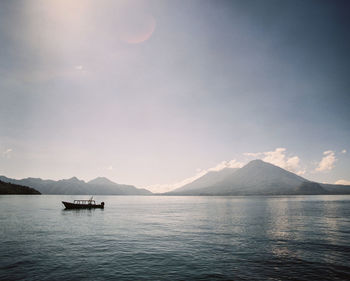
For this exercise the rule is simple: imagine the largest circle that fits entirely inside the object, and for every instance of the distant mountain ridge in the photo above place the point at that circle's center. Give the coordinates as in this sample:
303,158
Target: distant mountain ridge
74,186
9,188
256,178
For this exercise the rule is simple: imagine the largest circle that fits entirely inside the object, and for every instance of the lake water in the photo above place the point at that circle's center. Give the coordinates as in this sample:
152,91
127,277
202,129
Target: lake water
176,238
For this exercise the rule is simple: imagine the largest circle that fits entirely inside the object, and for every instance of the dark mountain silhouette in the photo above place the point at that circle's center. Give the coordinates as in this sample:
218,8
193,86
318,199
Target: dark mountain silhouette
9,188
98,186
336,188
311,188
256,178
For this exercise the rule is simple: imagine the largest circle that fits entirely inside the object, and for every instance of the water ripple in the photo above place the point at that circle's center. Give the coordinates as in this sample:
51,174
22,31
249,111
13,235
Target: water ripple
176,238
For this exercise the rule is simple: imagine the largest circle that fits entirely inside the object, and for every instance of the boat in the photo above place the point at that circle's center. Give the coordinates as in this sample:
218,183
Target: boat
83,204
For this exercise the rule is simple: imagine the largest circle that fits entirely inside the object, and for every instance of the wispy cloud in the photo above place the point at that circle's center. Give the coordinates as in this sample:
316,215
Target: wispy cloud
327,162
344,182
226,164
7,153
343,151
110,168
279,158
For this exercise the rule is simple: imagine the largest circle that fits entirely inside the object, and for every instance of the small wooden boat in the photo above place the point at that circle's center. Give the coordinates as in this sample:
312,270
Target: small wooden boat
83,204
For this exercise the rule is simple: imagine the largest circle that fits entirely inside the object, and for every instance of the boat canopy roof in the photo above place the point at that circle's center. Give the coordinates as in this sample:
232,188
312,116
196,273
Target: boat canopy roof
84,201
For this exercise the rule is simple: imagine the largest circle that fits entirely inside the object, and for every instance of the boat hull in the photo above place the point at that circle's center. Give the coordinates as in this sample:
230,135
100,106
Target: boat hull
69,205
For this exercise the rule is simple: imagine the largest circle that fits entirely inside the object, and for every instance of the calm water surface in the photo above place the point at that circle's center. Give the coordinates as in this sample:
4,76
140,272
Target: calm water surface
176,238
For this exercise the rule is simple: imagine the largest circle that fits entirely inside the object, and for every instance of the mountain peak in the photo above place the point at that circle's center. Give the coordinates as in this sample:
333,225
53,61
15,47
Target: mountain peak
255,178
101,181
260,164
257,162
73,179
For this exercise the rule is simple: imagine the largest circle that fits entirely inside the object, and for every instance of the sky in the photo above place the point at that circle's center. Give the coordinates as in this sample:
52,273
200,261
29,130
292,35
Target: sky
157,93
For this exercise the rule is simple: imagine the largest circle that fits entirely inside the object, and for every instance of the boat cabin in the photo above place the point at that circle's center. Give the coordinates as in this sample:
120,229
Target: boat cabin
85,202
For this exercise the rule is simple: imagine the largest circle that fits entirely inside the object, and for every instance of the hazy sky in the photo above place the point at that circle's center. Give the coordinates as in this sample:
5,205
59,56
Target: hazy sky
152,93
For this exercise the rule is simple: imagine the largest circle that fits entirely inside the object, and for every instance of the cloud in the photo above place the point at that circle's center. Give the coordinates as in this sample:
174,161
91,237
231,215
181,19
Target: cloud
343,151
258,154
327,162
344,182
7,153
278,157
301,172
226,164
79,67
168,187
110,168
